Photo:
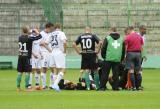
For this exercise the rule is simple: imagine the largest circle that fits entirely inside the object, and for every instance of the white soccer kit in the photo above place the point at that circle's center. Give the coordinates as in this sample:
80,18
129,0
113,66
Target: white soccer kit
36,62
58,57
45,53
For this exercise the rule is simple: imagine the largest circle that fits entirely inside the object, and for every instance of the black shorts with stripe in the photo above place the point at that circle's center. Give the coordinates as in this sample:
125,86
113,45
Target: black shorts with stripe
89,61
24,64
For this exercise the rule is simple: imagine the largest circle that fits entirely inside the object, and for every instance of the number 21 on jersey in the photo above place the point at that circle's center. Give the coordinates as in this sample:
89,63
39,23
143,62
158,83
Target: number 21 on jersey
22,47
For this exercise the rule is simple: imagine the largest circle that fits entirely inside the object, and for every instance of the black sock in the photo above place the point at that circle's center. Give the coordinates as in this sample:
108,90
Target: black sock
132,80
139,80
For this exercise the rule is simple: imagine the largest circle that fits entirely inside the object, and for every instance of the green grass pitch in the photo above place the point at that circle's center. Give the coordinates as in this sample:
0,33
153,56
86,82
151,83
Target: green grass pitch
147,99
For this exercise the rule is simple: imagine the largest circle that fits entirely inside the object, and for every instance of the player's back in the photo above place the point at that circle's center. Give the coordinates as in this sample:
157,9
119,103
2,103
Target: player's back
58,39
25,46
36,46
45,37
87,41
134,42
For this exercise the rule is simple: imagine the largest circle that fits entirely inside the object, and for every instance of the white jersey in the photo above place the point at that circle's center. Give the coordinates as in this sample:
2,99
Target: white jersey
143,37
36,62
45,37
36,46
57,40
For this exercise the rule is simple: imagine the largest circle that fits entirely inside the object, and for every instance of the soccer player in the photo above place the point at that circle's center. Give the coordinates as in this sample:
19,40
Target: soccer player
25,51
134,43
142,32
113,52
89,55
36,62
45,51
57,64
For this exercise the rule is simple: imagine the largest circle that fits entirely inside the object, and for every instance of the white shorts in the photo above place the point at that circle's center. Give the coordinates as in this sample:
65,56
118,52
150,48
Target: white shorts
58,59
36,63
45,59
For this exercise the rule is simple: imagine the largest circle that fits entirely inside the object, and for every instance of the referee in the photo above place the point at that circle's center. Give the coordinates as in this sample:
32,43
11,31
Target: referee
134,43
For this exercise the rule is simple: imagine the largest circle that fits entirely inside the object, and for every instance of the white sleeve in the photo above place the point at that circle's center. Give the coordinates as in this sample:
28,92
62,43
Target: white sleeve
63,37
49,39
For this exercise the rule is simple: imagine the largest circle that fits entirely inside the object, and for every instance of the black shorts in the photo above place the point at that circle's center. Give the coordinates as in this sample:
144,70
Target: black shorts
24,64
133,60
89,61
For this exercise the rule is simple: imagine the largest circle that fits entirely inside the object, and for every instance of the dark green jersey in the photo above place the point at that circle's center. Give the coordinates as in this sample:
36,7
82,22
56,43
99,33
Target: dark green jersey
25,45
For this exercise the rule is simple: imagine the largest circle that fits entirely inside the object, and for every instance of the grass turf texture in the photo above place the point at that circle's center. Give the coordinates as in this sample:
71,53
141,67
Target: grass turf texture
147,99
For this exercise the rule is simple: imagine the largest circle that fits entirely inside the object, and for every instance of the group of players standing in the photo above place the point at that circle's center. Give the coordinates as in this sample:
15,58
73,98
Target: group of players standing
39,51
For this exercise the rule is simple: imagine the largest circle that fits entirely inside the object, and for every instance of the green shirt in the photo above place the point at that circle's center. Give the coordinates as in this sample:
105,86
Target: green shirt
114,49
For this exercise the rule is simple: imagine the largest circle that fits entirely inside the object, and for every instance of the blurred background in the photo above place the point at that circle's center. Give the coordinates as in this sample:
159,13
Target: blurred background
74,15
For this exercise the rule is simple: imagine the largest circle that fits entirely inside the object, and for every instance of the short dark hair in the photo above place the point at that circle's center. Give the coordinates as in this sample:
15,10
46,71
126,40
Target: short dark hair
125,30
142,27
130,27
48,25
114,29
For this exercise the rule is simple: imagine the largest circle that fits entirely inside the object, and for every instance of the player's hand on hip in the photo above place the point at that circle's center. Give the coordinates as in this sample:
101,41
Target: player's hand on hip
96,52
79,52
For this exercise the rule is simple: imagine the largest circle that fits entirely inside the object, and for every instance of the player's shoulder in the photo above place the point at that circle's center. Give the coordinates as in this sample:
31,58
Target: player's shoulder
108,37
94,35
19,36
43,33
61,33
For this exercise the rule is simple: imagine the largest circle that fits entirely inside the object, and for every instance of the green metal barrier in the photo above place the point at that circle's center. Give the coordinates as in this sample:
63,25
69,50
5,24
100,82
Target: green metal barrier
74,61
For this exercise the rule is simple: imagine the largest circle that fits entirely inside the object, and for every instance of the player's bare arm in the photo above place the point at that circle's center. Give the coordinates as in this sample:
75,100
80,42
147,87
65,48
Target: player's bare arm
34,54
45,45
65,47
76,48
99,46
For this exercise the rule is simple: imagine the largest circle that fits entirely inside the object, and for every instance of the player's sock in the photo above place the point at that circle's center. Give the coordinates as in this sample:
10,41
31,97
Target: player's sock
88,82
83,75
37,78
30,79
139,80
27,76
51,79
43,80
132,77
96,79
59,77
19,78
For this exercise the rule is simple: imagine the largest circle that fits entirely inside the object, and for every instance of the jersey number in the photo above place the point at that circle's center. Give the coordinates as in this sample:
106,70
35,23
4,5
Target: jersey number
22,47
54,40
86,43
